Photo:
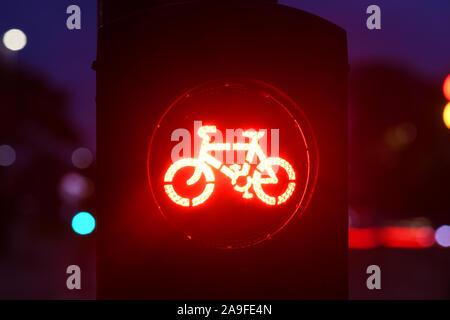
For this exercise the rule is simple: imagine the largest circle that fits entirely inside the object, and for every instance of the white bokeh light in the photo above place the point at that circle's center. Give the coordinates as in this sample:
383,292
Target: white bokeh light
14,39
7,155
82,158
75,187
442,236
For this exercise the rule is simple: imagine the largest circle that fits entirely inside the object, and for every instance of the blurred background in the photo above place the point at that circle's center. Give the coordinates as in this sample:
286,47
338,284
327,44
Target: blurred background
399,146
47,148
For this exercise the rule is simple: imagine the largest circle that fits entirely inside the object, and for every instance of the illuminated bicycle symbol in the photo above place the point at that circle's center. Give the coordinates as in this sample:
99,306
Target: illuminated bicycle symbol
263,174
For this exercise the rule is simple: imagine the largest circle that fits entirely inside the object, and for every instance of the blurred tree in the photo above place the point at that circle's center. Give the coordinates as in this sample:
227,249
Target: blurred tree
399,149
33,120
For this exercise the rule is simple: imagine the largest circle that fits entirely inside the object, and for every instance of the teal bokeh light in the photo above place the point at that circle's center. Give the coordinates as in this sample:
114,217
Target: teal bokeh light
83,223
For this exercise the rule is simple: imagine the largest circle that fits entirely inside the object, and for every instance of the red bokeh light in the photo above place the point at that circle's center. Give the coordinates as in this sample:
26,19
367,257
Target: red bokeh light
405,237
391,237
362,238
446,87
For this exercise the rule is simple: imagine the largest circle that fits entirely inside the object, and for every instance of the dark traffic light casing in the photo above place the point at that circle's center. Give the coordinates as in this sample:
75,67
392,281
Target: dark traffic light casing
149,63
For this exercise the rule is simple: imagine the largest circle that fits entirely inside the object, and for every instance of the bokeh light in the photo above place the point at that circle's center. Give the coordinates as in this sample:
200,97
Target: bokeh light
446,115
14,39
7,155
406,237
442,236
83,223
75,187
400,136
446,87
82,158
425,236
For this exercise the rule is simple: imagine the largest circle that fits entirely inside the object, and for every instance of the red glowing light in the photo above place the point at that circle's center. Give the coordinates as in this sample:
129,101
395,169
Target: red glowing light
392,237
220,183
404,237
446,87
234,171
362,238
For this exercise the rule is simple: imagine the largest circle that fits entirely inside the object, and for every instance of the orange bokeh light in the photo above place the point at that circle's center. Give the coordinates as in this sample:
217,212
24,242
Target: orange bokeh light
446,115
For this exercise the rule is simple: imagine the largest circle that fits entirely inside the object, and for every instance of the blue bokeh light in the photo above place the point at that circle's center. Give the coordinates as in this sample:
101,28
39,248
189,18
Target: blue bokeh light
83,223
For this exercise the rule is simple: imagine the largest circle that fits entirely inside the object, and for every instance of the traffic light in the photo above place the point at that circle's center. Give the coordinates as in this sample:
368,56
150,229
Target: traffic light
222,151
248,183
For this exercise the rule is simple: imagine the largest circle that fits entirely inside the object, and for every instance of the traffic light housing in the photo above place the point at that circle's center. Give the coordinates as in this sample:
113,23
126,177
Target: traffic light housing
148,61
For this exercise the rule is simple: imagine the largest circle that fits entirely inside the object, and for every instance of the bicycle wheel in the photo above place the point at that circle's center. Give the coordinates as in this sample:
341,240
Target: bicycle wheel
184,201
257,184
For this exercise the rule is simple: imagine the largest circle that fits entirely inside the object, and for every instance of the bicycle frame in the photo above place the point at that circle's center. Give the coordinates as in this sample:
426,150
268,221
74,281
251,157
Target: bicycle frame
234,171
